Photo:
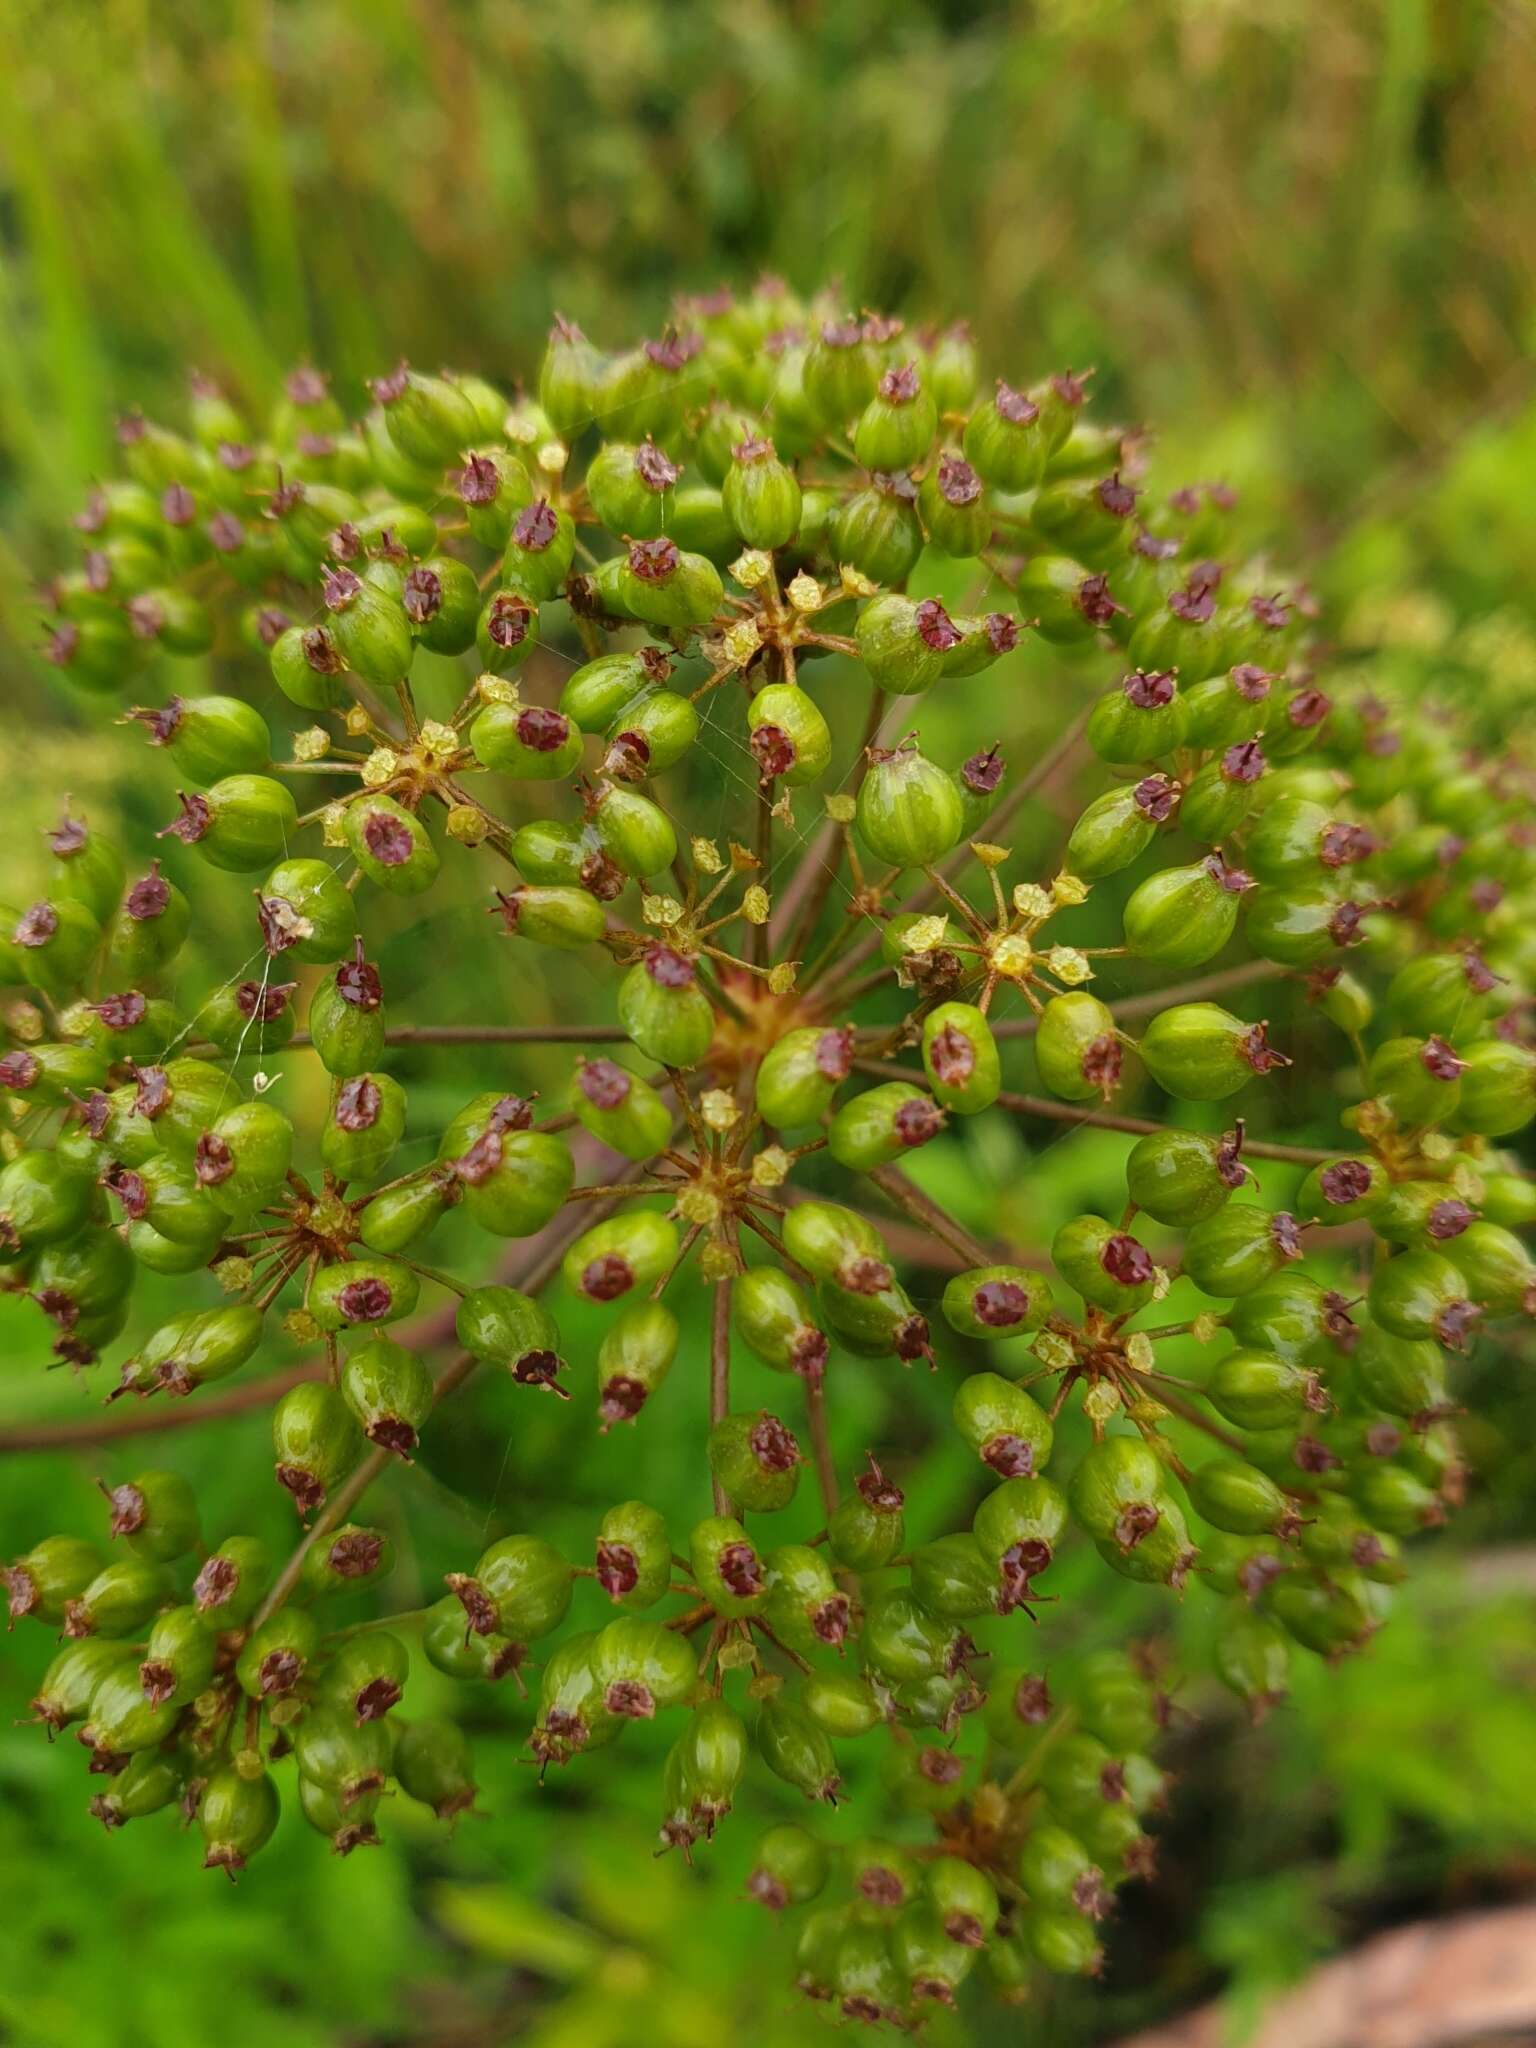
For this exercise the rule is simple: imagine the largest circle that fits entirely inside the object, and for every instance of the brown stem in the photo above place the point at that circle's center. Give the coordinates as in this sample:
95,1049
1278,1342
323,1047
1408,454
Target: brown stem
493,1034
720,1373
893,1183
821,1443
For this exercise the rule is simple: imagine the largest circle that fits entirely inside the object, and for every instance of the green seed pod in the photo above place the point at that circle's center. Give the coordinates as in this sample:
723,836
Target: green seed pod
1343,1191
237,1817
1238,1248
398,1217
123,1721
506,632
1067,605
349,1759
952,503
459,1653
875,1323
243,822
526,740
511,1330
564,918
634,1555
390,845
800,1074
903,1641
867,1528
307,664
389,1391
50,945
805,1609
909,811
897,426
347,1826
118,1600
1253,1659
430,419
841,1703
316,1442
349,1559
346,1018
773,1316
493,487
1220,795
1077,1047
357,1291
1184,916
1441,993
996,1301
883,1124
87,870
156,1512
661,584
1421,1294
1200,1052
1299,927
149,1782
789,1869
514,1180
877,530
41,1202
664,1011
521,1588
1181,1177
837,1245
904,643
367,1123
620,1254
148,931
1419,1079
305,909
432,1762
1256,1390
642,1668
1499,1272
1140,720
1109,1268
162,1193
570,379
963,1898
82,1279
841,367
701,525
277,1654
1018,1527
1328,1617
441,599
209,737
69,1684
756,1461
630,489
635,833
1498,1087
1297,841
1237,1496
953,1579
242,1158
233,1581
790,740
960,1058
53,1574
1005,440
1117,1491
193,1349
572,1716
760,494
365,1675
619,1108
633,1359
1118,826
369,626
1059,1874
727,1568
1002,1425
796,1750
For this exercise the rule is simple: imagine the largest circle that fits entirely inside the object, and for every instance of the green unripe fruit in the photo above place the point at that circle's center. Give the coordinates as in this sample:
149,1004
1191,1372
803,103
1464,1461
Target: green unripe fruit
897,426
1441,993
1109,1268
867,1528
1117,1491
521,1589
1059,1874
630,489
346,1018
243,822
960,1058
210,737
661,584
773,1316
242,1158
1256,1390
996,1301
433,1764
1018,1527
841,1703
1421,1294
458,1652
1498,1087
156,1513
349,1759
118,1600
1077,1047
634,1555
790,740
796,1749
953,1579
566,918
233,1581
570,379
1419,1079
1141,720
123,1720
358,1291
904,643
619,1108
877,530
800,1074
1221,794
1239,1497
664,1011
365,1674
42,1202
882,1124
192,1349
1068,605
756,1461
633,1359
727,1568
909,812
1200,1052
512,1330
1005,440
837,1245
148,931
514,1180
635,833
1499,1272
277,1654
761,494
316,1442
53,1573
621,1254
70,1682
526,740
642,1668
389,1391
790,1868
1118,826
49,945
87,868
430,419
1238,1248
952,502
307,664
1253,1660
237,1817
1181,1177
507,631
493,487
398,1217
1003,1426
841,367
1182,917
1327,1617
348,1560
1342,1191
306,910
390,844
1298,927
805,1609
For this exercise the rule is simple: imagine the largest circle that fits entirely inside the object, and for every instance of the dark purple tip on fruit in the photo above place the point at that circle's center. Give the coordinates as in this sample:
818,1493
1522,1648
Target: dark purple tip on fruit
656,470
618,1569
1343,842
18,1071
152,1091
882,1496
389,839
958,482
740,1570
1256,1049
606,1277
773,1446
669,968
216,1584
1155,796
1449,1218
358,1103
630,1700
212,1160
36,926
1125,1259
422,594
999,1304
900,386
508,622
1251,682
1234,880
917,1121
1456,1323
479,481
1285,1235
1032,1701
674,351
1308,708
1012,1456
1095,601
604,1083
621,1400
653,561
1348,1180
882,1887
773,750
305,1487
1243,763
1136,1523
535,527
1273,613
951,1057
1117,497
1194,604
1440,1060
1017,1569
479,1608
936,629
1015,406
865,1275
808,1352
1101,1063
366,1300
830,1621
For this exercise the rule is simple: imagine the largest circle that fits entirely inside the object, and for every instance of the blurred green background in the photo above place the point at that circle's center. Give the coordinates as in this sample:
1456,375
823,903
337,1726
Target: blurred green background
1298,236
